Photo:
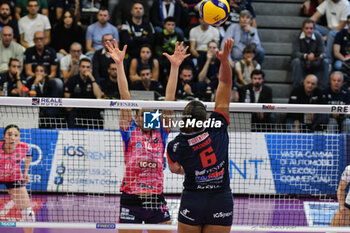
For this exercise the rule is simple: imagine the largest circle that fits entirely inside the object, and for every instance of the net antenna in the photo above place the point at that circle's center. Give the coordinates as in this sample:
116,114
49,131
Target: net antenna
283,181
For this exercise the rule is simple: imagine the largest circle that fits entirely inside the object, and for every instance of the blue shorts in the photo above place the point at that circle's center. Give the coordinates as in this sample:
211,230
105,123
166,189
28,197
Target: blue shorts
13,184
150,209
213,208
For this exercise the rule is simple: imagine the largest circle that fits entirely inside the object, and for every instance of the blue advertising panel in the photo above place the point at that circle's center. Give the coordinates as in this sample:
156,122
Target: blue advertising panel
306,163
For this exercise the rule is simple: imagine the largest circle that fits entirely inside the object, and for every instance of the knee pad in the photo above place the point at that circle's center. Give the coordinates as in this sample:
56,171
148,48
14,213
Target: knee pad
28,215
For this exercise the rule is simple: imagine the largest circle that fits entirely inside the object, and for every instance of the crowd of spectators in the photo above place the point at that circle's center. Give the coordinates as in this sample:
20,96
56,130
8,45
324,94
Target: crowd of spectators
47,49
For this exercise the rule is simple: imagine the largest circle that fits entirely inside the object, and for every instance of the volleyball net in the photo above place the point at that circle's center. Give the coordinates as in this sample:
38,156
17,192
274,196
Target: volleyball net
284,177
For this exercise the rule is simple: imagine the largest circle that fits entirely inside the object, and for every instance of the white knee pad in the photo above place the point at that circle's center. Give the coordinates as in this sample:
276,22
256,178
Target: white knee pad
28,215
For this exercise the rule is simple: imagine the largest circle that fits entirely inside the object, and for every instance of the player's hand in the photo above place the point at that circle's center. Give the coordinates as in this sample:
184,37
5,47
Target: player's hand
116,54
224,54
179,54
25,178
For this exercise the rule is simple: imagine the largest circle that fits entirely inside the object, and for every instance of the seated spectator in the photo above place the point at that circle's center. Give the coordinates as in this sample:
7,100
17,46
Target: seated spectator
41,85
6,19
32,23
200,36
341,48
121,12
258,92
161,9
63,5
11,82
336,12
243,34
145,59
236,6
9,49
146,83
309,56
97,30
245,67
136,31
21,8
101,60
110,84
82,85
337,94
69,63
189,89
67,25
40,54
308,93
208,68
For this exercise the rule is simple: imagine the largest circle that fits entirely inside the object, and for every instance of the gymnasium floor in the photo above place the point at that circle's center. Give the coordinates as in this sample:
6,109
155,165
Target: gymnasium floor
96,208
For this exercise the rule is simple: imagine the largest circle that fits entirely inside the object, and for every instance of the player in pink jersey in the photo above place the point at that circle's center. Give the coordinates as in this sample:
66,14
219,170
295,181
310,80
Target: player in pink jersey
142,199
12,153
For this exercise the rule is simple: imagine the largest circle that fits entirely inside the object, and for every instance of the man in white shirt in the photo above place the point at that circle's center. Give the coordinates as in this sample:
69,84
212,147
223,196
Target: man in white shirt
336,12
69,63
9,49
32,23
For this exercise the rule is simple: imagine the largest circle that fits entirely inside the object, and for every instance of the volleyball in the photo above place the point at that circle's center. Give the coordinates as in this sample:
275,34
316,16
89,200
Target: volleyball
214,12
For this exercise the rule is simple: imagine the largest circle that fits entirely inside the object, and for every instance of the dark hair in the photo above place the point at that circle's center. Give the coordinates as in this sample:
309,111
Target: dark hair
41,65
248,49
145,46
61,21
348,17
193,110
10,127
102,8
85,59
12,60
107,34
32,1
7,3
170,19
145,67
257,72
308,21
186,67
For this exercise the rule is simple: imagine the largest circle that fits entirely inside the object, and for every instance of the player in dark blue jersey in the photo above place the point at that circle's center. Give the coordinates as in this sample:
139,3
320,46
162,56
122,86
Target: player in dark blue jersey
200,152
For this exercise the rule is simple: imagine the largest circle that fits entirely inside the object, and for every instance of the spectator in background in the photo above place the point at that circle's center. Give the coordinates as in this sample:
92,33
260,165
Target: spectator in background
67,25
9,49
245,67
21,8
69,63
308,8
63,5
110,84
40,54
121,12
32,23
147,82
6,19
341,48
337,94
145,59
97,30
161,9
236,6
243,34
258,92
136,31
309,56
101,60
308,93
189,89
208,68
336,12
82,85
200,36
11,82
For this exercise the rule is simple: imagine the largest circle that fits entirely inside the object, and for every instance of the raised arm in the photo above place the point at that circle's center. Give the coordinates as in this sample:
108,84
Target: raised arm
118,57
223,94
175,60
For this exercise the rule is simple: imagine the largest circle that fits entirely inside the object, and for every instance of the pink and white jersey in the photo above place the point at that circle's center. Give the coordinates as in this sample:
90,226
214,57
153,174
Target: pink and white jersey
144,159
10,164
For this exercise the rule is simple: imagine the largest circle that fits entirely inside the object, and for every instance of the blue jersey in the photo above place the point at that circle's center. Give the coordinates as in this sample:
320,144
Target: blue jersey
204,156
